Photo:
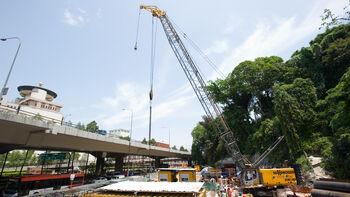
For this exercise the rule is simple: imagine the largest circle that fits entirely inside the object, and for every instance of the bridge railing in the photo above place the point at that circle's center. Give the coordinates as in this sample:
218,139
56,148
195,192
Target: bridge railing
19,111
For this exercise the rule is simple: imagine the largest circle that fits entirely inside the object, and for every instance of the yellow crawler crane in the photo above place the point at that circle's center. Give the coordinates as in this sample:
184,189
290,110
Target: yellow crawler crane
250,172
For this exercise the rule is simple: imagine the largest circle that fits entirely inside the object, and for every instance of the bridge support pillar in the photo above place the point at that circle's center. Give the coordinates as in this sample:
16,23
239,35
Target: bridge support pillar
189,162
118,165
157,162
100,163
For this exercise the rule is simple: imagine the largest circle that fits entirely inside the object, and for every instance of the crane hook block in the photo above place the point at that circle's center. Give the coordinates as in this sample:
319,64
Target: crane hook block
151,95
135,47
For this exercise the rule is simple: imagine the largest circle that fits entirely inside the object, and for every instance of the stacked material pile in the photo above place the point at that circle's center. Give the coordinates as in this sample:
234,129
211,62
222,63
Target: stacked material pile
331,187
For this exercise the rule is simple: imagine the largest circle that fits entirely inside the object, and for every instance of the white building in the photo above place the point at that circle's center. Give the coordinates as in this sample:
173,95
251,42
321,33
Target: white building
36,101
119,133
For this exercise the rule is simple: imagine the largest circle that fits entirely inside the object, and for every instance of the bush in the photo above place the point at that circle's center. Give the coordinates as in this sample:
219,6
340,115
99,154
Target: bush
304,162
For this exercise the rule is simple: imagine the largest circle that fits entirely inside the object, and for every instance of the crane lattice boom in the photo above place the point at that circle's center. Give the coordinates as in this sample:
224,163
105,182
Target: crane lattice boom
199,86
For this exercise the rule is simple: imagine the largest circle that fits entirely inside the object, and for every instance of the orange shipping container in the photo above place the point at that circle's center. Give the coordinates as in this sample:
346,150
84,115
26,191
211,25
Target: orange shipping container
160,144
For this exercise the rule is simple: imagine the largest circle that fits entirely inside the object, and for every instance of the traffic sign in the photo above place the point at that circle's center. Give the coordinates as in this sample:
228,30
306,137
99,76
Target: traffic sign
52,156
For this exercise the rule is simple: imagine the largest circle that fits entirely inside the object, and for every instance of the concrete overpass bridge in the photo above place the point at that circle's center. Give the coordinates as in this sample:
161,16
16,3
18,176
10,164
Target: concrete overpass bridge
22,132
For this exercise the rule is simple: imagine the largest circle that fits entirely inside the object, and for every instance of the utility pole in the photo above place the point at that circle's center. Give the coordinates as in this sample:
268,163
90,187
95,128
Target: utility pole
131,120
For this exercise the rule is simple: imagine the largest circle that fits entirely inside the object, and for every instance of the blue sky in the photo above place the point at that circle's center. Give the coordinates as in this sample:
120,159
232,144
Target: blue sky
83,50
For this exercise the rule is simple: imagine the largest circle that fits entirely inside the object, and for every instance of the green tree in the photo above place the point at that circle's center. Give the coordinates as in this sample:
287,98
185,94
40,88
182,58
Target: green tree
15,159
325,60
206,146
80,126
31,158
69,123
2,158
174,147
329,19
153,141
182,148
335,108
92,127
295,108
125,138
334,118
84,157
247,96
76,156
144,141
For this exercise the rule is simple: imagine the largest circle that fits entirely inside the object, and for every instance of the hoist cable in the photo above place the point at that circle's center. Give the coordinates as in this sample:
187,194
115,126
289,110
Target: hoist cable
153,51
201,53
137,30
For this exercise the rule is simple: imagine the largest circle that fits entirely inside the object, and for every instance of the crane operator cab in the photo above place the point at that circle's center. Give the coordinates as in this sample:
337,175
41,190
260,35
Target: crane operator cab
250,176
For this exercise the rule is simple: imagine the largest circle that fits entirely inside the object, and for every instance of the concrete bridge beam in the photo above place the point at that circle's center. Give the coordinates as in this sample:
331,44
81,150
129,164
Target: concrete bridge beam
19,132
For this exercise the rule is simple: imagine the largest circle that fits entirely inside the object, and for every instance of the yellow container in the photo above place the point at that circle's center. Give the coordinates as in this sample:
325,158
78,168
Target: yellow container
187,175
176,175
164,176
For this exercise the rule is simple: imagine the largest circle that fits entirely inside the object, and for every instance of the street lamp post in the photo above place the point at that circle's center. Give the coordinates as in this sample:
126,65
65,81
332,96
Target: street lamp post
168,136
64,118
4,90
131,120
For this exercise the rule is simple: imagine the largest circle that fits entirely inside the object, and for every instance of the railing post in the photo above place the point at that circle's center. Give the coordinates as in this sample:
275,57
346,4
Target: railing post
42,165
73,163
25,158
3,164
68,162
87,160
59,166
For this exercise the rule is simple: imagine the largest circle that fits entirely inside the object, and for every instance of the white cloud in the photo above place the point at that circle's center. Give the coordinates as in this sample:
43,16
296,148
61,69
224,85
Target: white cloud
133,96
218,47
99,13
69,19
82,11
81,19
270,37
74,19
167,107
126,95
273,39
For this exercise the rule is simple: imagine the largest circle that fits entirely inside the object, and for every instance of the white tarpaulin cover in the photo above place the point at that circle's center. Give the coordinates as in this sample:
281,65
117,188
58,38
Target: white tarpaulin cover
128,186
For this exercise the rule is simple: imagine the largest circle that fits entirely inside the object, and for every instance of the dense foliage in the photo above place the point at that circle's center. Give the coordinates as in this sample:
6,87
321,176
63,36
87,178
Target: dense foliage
306,99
